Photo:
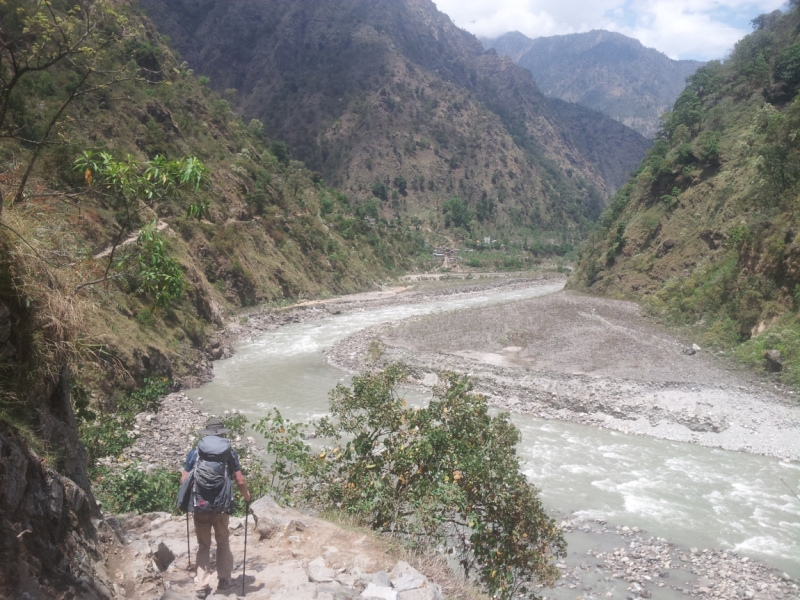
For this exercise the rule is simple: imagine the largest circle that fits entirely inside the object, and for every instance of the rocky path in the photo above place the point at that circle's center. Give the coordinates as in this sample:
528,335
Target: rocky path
290,556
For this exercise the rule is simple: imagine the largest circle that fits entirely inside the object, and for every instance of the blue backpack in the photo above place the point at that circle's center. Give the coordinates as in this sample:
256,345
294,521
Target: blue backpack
209,489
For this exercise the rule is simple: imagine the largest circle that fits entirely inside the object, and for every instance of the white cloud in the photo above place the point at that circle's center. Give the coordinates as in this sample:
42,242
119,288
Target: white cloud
702,29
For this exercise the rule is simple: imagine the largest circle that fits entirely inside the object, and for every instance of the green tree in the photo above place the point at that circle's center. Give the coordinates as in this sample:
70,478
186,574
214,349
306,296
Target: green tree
379,190
42,37
132,187
456,213
280,151
401,184
447,474
160,276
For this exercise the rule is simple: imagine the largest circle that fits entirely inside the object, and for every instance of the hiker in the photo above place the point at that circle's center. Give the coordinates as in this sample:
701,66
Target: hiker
211,464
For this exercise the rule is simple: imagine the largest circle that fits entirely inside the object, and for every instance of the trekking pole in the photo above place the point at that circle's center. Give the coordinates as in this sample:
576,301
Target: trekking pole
188,548
244,560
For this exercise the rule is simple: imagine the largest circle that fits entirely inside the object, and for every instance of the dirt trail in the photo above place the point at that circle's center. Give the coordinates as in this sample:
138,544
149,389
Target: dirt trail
160,226
593,361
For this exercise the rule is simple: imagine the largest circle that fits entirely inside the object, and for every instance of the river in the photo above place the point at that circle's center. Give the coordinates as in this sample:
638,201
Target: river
692,495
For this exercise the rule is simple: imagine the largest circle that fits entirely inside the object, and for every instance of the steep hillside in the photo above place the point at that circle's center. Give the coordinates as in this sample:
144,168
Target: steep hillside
389,99
606,71
116,264
706,232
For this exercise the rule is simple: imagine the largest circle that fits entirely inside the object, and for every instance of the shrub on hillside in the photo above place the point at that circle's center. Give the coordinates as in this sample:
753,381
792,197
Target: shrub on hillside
105,433
135,490
445,475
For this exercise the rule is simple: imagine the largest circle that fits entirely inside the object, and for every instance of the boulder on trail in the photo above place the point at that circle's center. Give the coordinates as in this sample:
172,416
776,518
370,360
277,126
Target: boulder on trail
319,572
163,556
269,517
405,577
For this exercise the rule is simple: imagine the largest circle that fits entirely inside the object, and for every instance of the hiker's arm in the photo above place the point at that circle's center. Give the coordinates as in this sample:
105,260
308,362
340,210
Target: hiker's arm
242,484
184,475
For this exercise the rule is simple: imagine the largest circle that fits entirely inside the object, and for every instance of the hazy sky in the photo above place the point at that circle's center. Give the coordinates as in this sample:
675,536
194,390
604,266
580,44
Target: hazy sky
699,29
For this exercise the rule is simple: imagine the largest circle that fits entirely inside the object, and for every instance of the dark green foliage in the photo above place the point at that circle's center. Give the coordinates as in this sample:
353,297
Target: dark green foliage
368,209
401,184
787,66
160,276
485,209
379,190
708,147
280,151
707,80
132,489
447,474
616,206
456,213
326,206
687,111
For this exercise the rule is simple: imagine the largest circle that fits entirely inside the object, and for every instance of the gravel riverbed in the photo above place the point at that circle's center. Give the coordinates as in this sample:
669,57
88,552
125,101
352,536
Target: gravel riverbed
591,361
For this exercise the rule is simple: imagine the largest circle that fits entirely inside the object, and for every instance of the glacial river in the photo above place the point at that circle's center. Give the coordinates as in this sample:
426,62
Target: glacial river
691,495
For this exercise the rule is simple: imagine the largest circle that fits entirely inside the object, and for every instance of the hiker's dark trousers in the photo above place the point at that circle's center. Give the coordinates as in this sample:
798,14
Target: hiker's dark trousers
202,526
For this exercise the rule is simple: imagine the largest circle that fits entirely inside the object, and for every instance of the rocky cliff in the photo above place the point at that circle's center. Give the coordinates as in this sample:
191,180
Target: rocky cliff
49,544
606,71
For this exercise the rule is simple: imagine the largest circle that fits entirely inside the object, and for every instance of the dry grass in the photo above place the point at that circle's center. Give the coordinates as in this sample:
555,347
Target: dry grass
42,271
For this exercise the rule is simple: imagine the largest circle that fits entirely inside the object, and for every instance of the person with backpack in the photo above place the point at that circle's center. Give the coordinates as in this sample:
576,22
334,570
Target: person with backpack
207,492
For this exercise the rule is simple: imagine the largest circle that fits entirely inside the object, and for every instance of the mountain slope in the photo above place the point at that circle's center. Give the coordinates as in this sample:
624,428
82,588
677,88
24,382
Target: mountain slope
372,91
81,325
606,71
706,232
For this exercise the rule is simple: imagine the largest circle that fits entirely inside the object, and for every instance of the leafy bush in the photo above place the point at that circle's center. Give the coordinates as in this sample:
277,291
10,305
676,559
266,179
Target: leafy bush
132,489
447,474
456,213
160,276
368,209
787,66
379,190
105,433
280,151
401,184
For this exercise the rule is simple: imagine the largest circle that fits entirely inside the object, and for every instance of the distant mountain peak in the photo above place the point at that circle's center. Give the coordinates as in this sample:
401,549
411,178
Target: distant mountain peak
603,70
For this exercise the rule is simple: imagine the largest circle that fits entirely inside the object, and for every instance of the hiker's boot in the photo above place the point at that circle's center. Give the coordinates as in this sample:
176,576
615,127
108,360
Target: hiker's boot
224,583
203,594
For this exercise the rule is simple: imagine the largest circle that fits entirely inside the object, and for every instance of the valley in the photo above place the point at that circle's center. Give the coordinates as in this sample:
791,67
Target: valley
483,315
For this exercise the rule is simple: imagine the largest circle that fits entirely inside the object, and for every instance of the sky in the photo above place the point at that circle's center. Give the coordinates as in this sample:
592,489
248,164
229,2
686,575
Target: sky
696,29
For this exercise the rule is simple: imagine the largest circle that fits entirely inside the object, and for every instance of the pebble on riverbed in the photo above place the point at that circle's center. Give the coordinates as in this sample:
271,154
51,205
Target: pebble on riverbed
646,564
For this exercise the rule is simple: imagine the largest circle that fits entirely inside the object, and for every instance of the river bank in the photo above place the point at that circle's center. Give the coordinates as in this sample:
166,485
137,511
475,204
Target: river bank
592,361
250,324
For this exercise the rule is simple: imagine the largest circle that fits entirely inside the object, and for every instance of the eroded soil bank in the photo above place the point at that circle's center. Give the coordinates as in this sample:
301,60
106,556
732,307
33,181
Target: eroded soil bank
592,361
